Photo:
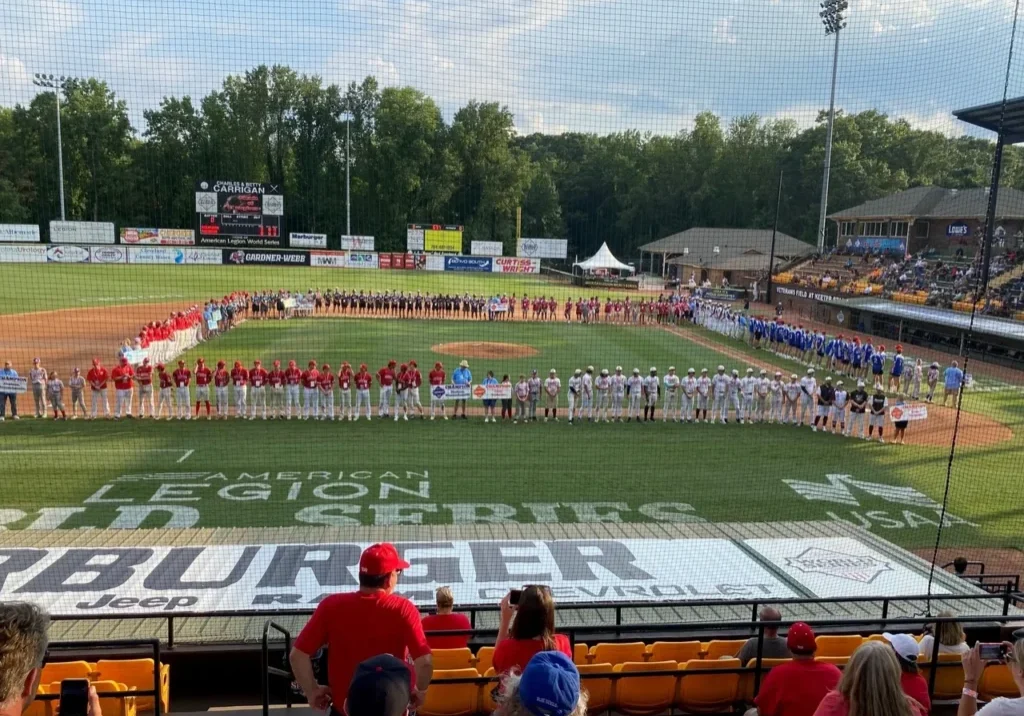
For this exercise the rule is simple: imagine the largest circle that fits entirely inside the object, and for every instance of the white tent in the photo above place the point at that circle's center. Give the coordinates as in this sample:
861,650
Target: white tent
603,259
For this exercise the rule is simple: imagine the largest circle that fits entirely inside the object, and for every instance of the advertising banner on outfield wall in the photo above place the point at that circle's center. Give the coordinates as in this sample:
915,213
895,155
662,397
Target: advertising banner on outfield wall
356,243
328,259
243,242
542,248
208,257
155,255
467,263
22,254
433,262
158,237
363,260
246,257
384,261
514,264
107,254
81,232
24,233
307,241
486,248
67,254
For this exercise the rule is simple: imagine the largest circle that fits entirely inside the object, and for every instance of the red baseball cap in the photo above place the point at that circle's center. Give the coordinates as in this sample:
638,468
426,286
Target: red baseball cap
381,558
800,639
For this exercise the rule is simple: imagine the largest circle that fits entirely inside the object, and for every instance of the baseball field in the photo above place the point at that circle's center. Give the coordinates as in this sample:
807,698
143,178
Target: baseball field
236,473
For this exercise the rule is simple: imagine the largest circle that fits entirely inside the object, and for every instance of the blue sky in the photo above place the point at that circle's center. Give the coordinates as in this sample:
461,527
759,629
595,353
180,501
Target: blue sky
586,65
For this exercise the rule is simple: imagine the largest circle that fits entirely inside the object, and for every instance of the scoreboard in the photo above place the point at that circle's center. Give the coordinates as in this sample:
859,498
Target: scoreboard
434,238
239,213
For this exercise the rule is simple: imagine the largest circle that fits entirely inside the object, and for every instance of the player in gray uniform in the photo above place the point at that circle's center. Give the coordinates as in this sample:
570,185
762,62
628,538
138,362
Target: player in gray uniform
77,384
719,387
733,395
603,385
55,393
635,389
689,395
762,387
651,387
747,385
671,403
37,379
704,388
534,385
618,393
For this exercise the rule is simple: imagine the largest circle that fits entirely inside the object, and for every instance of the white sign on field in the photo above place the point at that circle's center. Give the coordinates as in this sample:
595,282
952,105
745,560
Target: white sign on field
485,248
542,248
81,232
23,233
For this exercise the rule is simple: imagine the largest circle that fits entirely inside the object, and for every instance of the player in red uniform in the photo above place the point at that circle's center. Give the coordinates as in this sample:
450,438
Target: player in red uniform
310,385
415,381
292,380
145,376
437,378
97,378
204,376
386,380
221,381
363,381
123,376
182,379
165,398
275,379
325,387
402,391
345,390
258,378
240,382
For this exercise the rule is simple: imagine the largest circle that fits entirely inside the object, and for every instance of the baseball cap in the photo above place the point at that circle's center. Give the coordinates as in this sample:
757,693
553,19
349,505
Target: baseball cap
381,686
905,646
381,558
800,639
550,685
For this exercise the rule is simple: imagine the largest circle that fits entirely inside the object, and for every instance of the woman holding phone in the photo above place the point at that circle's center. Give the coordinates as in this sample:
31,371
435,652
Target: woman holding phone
527,627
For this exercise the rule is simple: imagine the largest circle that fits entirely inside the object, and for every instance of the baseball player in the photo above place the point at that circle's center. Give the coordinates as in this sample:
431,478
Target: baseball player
858,404
826,399
635,391
838,414
534,383
363,381
240,383
762,386
932,380
386,381
37,377
575,383
671,404
77,385
204,376
704,390
521,393
776,394
345,390
878,364
618,393
896,370
912,384
325,387
258,379
221,381
436,377
164,398
808,389
651,386
877,406
733,395
97,377
55,394
791,396
587,394
412,399
292,381
123,376
275,379
402,391
310,391
603,385
689,389
748,386
182,380
719,388
145,376
552,387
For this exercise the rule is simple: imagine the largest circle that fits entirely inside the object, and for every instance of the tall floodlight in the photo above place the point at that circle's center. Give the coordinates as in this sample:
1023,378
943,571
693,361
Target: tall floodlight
832,17
347,116
57,84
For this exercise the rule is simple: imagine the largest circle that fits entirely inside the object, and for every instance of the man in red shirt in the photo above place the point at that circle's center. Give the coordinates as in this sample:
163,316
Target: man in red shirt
446,620
221,381
292,380
437,378
386,380
363,381
797,687
358,625
166,383
182,379
240,380
402,391
204,376
123,376
258,377
310,386
275,379
97,378
345,390
145,376
412,400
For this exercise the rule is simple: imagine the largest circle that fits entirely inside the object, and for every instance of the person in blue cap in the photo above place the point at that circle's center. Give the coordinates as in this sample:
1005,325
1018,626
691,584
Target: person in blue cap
548,686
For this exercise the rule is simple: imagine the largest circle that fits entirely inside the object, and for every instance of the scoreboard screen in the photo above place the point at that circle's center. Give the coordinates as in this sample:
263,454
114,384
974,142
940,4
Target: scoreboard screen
435,238
239,209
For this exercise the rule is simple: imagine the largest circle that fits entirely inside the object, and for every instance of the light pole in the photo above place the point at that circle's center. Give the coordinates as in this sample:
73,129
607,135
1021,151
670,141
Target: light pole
348,165
832,17
57,84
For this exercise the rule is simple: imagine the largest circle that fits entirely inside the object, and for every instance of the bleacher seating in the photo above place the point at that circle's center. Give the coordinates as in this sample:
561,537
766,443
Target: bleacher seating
122,675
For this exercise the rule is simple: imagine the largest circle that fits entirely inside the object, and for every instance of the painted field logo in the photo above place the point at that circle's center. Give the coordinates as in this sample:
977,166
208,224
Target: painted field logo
856,568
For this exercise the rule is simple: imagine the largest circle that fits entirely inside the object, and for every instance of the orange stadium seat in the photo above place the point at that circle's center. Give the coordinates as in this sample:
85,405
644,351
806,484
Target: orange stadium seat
949,680
703,693
447,659
580,654
57,671
839,661
997,681
40,708
618,653
835,645
487,702
680,651
484,659
109,705
451,699
137,674
599,690
724,647
648,694
745,691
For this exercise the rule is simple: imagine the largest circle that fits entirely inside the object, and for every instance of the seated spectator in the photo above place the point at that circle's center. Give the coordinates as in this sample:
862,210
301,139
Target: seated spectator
526,629
870,686
548,686
445,620
914,685
774,646
973,667
796,688
951,639
381,686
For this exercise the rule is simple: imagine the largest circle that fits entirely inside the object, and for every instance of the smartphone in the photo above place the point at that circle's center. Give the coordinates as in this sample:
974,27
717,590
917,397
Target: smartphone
74,697
987,652
514,595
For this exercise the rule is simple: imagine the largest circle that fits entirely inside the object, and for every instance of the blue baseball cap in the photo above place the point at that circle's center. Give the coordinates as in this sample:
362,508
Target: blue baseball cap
550,685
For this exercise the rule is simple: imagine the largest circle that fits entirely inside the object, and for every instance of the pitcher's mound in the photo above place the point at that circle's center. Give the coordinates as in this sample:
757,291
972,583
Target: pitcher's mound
485,350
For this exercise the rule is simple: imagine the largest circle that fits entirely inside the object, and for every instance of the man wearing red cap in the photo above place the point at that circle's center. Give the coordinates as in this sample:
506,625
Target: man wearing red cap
437,379
402,391
182,380
345,390
292,380
123,376
797,687
145,376
258,377
310,386
412,398
363,381
386,380
221,381
358,625
325,386
98,377
204,376
240,382
165,398
275,379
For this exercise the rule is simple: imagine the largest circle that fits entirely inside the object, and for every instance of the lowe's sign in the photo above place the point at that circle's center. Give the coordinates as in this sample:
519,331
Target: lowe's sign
468,263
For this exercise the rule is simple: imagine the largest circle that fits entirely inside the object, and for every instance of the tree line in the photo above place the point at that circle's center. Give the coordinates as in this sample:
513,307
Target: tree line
408,165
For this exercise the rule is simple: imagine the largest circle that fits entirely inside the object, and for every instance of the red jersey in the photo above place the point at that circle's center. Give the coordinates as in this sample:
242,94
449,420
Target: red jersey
165,380
345,379
203,375
221,378
386,377
182,377
276,377
326,381
363,381
97,378
258,377
292,376
415,378
436,377
145,374
403,381
446,622
122,376
239,376
310,378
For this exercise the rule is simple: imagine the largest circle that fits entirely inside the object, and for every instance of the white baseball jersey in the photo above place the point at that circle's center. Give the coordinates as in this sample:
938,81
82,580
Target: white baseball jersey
733,385
747,386
671,384
618,384
587,384
763,386
534,385
840,398
793,390
809,385
704,385
651,384
553,385
575,385
775,388
689,386
719,383
635,384
603,383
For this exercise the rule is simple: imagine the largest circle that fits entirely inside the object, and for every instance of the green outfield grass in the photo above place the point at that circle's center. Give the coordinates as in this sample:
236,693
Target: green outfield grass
241,473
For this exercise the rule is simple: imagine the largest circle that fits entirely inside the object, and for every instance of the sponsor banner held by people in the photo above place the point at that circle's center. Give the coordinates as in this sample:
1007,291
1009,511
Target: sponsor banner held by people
307,241
908,412
207,257
328,259
486,248
81,232
492,392
497,305
542,248
451,392
107,254
212,324
159,237
513,264
467,263
67,254
356,243
26,233
155,255
255,257
13,385
362,259
135,356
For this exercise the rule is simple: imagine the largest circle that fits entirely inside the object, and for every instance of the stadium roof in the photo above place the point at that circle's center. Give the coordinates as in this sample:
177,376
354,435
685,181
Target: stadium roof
936,202
987,116
1000,327
701,243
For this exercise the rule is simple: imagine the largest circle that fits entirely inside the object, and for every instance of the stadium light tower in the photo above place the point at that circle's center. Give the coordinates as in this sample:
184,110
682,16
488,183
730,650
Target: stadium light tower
348,165
832,17
58,85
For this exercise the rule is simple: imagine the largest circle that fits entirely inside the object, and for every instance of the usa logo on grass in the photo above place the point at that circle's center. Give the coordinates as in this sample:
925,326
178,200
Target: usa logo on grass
855,567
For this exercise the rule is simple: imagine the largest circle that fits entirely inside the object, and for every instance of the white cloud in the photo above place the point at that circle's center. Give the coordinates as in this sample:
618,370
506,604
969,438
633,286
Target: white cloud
721,31
805,115
938,121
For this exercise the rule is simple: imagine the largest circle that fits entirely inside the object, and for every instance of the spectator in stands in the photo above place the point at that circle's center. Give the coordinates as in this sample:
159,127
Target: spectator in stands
446,620
974,666
381,686
870,686
797,687
23,641
914,685
960,566
358,625
950,635
774,646
527,628
548,686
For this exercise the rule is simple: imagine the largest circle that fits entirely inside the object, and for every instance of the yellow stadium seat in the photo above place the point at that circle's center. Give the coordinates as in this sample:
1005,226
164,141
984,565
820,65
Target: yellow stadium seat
681,651
996,681
484,659
447,659
723,647
839,661
702,693
487,702
949,680
618,653
879,637
745,691
834,645
137,674
57,671
580,654
599,690
648,694
451,699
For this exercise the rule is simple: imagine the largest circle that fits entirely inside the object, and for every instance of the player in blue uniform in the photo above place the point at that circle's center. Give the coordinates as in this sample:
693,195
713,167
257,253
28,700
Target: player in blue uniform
896,371
822,348
869,350
878,365
856,357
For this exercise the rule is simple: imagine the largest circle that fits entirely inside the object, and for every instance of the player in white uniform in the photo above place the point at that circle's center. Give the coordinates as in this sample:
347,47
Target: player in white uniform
534,384
808,389
689,389
575,383
747,388
733,395
618,393
791,393
587,395
839,409
651,387
775,398
761,390
552,387
77,385
37,379
703,395
603,385
635,388
671,403
719,387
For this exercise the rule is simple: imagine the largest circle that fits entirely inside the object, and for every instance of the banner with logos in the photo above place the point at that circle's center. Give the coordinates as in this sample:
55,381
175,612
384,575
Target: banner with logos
497,305
433,262
107,254
23,233
328,259
908,412
492,392
13,385
877,244
362,259
244,242
451,392
307,241
208,257
255,257
542,248
135,356
356,243
155,255
67,254
723,294
160,237
513,264
22,254
486,248
384,261
81,232
467,263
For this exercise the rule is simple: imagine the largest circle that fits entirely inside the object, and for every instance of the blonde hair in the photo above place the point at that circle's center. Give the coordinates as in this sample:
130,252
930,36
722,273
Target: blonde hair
510,705
870,684
444,598
1016,655
949,633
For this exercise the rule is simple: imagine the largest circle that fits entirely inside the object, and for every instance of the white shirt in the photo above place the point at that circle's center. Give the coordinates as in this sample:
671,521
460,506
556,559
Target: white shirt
603,383
689,386
927,641
1003,707
793,390
703,385
575,383
534,384
553,385
763,385
841,398
733,385
671,384
651,383
747,386
775,388
618,384
810,384
635,384
588,384
719,383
